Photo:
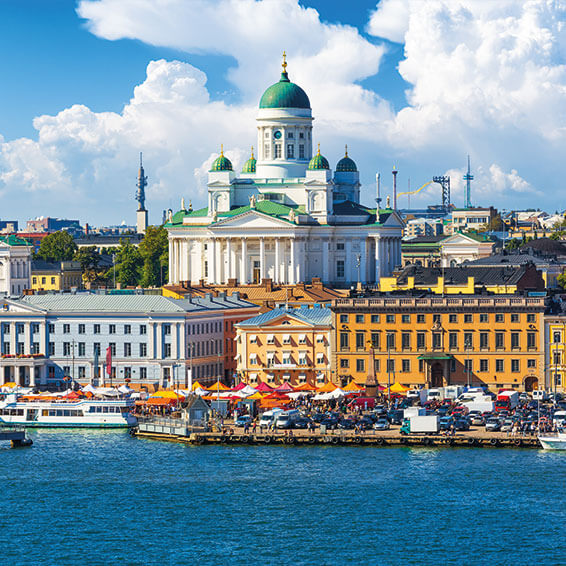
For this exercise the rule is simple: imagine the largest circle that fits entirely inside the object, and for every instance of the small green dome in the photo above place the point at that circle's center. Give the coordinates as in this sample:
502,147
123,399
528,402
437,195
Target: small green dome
221,163
346,165
249,165
318,162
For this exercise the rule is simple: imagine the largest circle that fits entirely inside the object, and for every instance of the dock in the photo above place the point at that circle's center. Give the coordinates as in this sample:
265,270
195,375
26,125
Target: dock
175,432
16,436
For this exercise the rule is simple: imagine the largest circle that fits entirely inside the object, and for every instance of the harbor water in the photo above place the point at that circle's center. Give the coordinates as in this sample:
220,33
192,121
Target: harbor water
103,498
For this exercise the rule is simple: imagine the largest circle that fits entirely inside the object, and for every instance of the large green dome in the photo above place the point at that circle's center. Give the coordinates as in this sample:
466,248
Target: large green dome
221,163
318,162
284,94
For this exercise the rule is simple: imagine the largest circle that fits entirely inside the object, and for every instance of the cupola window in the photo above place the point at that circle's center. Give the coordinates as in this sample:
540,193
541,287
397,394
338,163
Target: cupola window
290,135
277,151
290,151
266,150
301,150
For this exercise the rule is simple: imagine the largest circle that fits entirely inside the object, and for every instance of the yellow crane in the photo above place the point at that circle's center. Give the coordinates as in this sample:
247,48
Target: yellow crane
414,192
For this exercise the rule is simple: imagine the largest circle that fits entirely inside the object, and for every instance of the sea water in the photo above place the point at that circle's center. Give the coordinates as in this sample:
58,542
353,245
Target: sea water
104,498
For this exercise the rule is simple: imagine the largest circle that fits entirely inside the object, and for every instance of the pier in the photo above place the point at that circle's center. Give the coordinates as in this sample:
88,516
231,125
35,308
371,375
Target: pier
167,429
16,436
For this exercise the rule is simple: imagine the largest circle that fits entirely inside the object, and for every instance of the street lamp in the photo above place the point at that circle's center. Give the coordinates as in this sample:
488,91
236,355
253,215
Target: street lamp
359,265
467,346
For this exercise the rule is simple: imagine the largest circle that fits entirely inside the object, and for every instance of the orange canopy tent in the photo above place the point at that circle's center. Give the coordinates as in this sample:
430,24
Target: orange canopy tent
328,387
197,385
256,396
273,403
166,394
160,401
305,387
218,386
352,387
398,388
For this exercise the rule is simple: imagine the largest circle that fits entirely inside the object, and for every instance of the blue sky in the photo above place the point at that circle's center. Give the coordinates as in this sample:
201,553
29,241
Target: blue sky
404,82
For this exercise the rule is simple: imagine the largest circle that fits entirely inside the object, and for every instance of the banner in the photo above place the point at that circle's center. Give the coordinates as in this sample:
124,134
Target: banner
109,361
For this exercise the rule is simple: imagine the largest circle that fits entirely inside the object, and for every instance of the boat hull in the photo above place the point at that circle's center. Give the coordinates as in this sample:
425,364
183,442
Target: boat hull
552,443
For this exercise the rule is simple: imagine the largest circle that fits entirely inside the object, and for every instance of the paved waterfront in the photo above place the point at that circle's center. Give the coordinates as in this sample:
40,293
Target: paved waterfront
96,497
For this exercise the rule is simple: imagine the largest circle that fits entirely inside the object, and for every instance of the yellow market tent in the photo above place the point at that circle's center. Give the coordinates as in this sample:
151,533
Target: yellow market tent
218,386
352,386
255,396
167,395
10,384
197,385
398,388
328,387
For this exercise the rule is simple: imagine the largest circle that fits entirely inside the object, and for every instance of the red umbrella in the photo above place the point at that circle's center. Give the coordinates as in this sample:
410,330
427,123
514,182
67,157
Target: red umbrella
264,388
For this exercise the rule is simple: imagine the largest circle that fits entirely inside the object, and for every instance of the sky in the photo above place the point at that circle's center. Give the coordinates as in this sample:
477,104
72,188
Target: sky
414,84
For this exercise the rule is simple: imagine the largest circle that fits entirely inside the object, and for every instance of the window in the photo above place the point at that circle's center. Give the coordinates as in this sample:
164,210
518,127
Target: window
468,319
531,340
286,338
531,318
499,366
66,328
360,339
436,318
287,360
390,341
453,340
406,318
143,373
421,341
96,348
319,358
82,349
344,363
453,318
483,317
97,329
82,372
360,365
390,319
515,318
405,341
127,329
127,350
499,340
344,341
128,372
340,246
557,337
374,318
421,366
166,350
81,328
420,319
253,339
484,340
290,135
515,366
167,329
35,348
499,318
66,348
483,365
391,366
34,328
468,340
301,150
143,329
51,328
112,329
302,339
531,363
375,340
302,359
514,340
436,340
340,270
405,366
343,318
468,365
51,349
359,318
290,151
277,154
112,346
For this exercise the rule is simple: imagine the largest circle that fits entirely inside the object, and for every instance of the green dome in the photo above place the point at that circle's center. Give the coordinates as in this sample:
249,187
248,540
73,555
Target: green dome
346,165
222,163
318,162
284,94
249,165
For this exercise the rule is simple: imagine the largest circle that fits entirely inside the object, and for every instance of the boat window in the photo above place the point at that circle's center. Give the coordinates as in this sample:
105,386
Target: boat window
44,413
59,412
66,413
104,409
52,413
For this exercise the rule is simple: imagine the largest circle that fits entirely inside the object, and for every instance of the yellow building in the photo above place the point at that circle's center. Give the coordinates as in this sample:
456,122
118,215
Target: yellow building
431,341
55,276
555,338
285,345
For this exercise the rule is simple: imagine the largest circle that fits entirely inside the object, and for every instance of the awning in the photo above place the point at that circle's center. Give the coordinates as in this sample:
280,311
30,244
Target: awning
253,375
253,337
286,337
270,337
320,337
286,376
433,356
302,338
302,376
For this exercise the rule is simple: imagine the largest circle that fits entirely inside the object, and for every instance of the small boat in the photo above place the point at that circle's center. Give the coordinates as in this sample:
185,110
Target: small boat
83,413
553,441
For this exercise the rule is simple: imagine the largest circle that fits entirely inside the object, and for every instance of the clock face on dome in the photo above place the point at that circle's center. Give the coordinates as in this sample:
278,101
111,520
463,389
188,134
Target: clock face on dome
277,135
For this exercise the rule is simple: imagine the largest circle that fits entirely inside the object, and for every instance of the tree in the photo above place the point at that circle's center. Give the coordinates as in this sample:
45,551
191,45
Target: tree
561,280
128,264
154,251
58,246
89,258
496,224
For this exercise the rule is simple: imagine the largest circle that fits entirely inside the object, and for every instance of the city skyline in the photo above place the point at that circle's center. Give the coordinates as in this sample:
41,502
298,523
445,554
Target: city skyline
411,84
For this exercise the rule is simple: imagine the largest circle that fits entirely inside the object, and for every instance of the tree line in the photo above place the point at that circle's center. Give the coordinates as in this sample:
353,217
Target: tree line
146,265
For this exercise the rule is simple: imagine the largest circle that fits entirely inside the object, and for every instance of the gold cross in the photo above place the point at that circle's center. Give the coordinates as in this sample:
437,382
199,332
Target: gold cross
284,62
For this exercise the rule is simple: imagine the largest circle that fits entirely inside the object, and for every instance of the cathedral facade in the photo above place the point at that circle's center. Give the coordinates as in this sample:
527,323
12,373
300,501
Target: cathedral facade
286,216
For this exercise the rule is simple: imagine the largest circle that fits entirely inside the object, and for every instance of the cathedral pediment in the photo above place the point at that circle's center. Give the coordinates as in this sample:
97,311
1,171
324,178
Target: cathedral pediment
252,219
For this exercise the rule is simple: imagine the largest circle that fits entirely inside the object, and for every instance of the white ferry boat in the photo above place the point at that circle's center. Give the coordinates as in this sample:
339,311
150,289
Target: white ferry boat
73,414
553,441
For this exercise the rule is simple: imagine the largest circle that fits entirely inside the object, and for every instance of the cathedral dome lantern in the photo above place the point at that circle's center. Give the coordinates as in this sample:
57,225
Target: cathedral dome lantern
221,163
318,162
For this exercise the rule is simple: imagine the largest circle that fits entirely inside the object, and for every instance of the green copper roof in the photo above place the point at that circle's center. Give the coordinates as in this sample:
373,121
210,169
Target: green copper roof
318,162
346,165
13,240
222,163
284,94
249,165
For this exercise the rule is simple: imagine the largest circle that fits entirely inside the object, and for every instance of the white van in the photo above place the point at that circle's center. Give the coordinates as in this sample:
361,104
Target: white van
539,395
286,419
559,418
269,416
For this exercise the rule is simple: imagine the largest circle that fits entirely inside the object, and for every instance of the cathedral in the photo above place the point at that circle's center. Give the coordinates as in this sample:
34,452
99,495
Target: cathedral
287,216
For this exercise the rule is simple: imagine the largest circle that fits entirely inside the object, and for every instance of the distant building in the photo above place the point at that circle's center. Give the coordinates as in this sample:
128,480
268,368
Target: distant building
100,241
15,265
154,341
462,247
48,224
423,227
8,226
55,275
472,218
421,250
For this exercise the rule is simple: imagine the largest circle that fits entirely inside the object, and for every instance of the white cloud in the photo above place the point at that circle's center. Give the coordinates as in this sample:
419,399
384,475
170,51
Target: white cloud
390,20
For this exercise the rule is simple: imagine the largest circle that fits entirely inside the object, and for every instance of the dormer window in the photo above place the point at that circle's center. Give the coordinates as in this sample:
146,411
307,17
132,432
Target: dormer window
290,135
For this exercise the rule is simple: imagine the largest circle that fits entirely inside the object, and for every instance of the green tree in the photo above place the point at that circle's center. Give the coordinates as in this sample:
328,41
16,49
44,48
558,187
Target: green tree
561,280
58,246
128,265
154,251
89,258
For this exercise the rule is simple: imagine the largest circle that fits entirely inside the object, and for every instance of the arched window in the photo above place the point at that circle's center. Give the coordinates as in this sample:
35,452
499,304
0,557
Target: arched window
557,337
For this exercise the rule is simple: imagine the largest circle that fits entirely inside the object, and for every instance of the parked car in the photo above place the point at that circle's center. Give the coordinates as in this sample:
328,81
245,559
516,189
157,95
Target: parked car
302,422
381,424
365,423
395,416
493,425
462,424
347,424
445,423
477,420
243,420
507,425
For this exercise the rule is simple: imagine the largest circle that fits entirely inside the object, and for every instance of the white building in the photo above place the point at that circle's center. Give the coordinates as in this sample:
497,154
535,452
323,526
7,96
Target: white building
15,265
286,216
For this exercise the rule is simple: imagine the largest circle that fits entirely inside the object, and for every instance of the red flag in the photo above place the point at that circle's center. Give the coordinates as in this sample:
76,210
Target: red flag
109,360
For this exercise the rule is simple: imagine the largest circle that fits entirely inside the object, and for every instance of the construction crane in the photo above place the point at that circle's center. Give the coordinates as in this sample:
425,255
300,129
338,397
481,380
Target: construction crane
444,182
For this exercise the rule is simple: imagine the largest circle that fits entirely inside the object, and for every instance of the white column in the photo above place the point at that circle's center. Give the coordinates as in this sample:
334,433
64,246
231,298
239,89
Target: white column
159,341
183,343
325,275
261,258
185,255
13,338
363,260
350,262
174,341
27,337
210,260
171,262
277,259
228,259
151,341
244,261
43,349
299,269
377,258
293,278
